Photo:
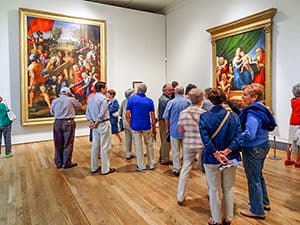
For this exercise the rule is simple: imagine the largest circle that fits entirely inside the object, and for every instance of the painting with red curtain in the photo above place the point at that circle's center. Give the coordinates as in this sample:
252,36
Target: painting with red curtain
60,54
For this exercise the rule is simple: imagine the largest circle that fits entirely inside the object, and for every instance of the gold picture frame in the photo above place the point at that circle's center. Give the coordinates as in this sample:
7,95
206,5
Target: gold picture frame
56,51
242,54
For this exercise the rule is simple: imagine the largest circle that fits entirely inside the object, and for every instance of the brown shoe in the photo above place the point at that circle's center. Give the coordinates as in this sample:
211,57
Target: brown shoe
267,207
249,214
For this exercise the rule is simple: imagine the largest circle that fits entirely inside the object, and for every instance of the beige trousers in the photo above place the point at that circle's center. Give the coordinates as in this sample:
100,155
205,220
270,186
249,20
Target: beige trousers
102,139
221,191
148,140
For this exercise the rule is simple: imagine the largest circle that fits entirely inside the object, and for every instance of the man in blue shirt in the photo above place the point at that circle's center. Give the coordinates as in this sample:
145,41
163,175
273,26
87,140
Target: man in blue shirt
140,116
171,116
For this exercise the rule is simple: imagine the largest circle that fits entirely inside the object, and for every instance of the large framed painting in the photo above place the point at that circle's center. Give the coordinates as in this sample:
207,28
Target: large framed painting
242,54
58,51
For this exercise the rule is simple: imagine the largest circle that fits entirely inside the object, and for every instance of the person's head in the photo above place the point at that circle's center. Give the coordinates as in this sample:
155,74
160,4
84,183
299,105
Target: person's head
238,52
111,93
1,99
296,90
216,96
196,96
129,92
174,83
101,87
188,88
179,90
142,88
206,91
252,93
167,89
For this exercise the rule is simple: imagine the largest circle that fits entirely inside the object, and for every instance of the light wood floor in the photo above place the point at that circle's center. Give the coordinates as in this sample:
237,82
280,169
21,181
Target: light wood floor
33,191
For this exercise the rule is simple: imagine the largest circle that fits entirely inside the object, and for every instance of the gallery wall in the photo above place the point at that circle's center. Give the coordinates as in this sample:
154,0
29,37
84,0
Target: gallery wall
135,52
189,50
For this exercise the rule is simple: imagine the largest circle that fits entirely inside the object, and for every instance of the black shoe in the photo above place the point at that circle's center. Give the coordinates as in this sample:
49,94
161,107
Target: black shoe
130,157
59,167
176,173
181,202
97,170
70,165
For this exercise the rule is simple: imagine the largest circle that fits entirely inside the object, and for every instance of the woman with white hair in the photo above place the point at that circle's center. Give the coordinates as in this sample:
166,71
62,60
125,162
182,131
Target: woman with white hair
294,131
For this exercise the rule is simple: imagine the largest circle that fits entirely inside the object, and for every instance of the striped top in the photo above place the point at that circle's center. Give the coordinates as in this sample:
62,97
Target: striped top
189,120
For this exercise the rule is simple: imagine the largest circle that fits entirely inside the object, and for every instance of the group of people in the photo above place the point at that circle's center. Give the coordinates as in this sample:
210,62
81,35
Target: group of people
199,123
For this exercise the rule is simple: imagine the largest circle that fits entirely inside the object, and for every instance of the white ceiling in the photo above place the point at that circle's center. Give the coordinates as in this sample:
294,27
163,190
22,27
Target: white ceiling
154,6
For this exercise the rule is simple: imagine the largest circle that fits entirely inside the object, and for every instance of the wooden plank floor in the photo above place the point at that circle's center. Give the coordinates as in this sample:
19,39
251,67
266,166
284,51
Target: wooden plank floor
33,191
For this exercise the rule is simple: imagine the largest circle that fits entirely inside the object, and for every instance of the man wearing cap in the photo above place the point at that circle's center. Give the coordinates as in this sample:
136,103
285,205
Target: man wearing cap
63,108
98,115
140,116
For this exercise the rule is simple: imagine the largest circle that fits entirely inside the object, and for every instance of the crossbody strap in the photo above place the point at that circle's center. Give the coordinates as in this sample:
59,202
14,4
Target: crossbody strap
221,125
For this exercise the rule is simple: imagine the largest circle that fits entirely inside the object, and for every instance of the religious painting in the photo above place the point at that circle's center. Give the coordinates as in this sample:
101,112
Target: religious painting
242,54
58,51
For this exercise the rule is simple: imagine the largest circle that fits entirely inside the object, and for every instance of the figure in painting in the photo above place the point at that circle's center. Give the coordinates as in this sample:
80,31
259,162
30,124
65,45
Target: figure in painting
242,76
259,77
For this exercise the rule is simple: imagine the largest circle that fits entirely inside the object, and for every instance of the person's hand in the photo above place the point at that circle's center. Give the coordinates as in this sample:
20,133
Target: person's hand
154,133
221,157
226,151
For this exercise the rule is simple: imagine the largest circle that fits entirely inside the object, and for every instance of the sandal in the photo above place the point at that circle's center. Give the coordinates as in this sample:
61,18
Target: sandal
111,170
211,222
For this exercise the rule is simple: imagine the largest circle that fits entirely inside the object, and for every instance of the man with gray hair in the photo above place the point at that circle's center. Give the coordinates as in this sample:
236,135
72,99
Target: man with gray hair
63,108
164,144
140,116
171,115
188,125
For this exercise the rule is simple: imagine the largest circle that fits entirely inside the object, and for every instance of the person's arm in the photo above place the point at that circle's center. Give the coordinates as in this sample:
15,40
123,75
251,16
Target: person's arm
114,106
153,122
251,128
128,117
205,136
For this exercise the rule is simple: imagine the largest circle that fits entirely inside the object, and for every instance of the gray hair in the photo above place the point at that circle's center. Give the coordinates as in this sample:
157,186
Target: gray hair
141,88
129,92
179,90
195,95
296,90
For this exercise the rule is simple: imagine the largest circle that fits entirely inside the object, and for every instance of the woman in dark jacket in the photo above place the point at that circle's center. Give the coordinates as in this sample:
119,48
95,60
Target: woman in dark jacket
256,121
221,150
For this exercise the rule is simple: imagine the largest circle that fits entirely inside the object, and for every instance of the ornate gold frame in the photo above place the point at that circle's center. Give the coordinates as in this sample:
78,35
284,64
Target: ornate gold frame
259,20
24,53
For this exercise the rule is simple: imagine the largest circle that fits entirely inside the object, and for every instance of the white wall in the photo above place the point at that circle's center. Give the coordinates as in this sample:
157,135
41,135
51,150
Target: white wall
189,50
135,51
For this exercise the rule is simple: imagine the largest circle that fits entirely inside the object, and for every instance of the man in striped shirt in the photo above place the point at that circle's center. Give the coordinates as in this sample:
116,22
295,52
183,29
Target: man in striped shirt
188,124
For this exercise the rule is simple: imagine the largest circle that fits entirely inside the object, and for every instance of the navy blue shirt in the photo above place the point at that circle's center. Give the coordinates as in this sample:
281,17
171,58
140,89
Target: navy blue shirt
228,137
140,107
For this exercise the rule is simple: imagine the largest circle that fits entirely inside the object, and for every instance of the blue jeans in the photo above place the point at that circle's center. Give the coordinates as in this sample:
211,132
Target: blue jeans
253,160
6,131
